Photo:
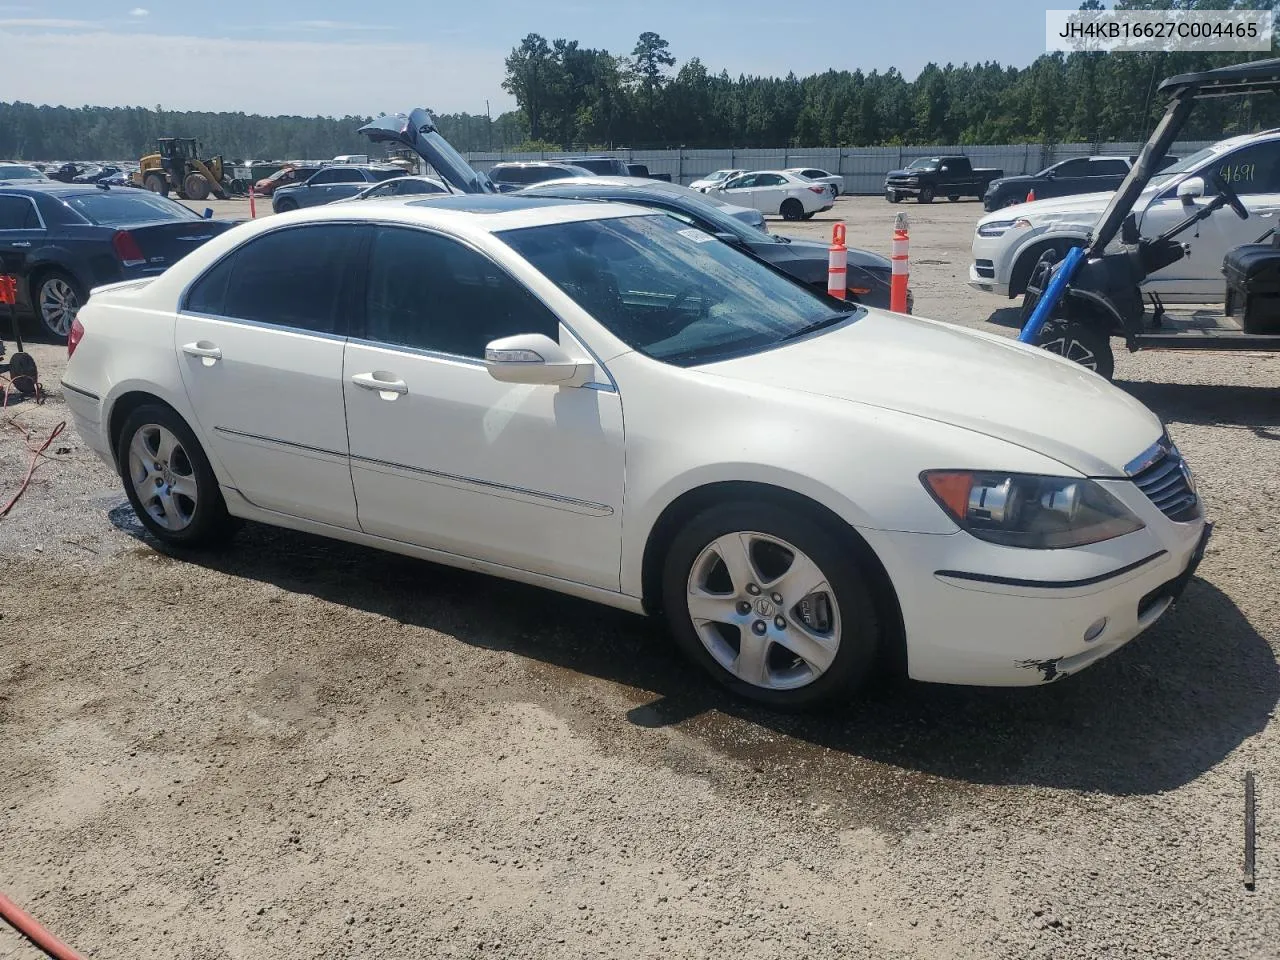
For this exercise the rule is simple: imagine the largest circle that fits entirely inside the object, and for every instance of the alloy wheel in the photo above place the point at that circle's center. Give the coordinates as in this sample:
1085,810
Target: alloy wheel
58,306
764,610
163,477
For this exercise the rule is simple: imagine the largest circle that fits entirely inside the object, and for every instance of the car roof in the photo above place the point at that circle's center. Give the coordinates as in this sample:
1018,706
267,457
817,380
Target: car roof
595,180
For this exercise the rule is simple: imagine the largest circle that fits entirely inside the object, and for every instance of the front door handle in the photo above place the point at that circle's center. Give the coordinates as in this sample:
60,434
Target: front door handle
20,243
206,351
386,384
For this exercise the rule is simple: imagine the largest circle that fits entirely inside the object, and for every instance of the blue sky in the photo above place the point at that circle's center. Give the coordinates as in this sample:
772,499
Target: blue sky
337,57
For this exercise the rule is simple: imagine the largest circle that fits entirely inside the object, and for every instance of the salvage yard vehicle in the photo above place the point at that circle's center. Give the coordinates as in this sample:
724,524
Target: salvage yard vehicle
445,378
284,177
819,176
714,179
1079,297
1067,178
336,182
777,193
399,187
927,177
508,177
177,167
22,173
806,260
64,240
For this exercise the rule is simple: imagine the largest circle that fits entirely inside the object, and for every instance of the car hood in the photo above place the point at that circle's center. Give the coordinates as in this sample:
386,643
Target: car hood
974,381
417,130
1083,208
816,250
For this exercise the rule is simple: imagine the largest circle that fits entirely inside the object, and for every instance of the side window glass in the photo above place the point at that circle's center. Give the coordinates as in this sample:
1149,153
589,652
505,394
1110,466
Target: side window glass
1073,168
433,293
17,213
1107,168
323,177
209,293
294,278
1252,169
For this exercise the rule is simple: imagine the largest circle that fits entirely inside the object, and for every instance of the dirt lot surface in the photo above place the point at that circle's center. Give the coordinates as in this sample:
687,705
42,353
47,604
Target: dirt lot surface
301,749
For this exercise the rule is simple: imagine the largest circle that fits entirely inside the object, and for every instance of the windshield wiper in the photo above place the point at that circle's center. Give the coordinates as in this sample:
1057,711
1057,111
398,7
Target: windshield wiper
815,325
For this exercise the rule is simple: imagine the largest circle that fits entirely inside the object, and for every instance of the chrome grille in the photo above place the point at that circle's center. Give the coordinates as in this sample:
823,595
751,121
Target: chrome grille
1167,483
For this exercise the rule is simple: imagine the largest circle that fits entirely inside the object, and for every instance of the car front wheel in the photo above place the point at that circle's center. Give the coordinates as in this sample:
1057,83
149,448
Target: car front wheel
770,603
285,205
1081,342
168,479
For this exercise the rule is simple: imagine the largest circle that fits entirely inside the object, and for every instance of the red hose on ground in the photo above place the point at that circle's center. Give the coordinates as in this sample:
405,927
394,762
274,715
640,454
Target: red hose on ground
29,927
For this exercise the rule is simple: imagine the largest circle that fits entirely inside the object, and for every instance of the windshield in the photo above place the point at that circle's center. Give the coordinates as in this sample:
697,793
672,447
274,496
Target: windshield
1183,165
671,291
112,208
720,174
18,171
924,163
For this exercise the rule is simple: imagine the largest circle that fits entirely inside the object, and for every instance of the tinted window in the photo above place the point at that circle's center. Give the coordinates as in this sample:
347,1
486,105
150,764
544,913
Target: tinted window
1108,168
416,186
18,171
386,174
769,180
111,208
433,293
292,278
1251,169
811,174
209,293
1073,168
670,291
739,182
336,175
18,213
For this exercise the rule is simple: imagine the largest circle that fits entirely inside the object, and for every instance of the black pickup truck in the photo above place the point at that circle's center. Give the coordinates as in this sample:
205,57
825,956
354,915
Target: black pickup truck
929,177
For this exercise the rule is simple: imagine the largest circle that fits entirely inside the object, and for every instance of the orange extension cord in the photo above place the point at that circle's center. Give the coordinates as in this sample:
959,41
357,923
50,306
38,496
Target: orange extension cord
38,454
29,927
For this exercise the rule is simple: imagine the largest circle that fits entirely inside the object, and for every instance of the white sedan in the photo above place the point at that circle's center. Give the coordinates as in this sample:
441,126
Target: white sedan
714,179
799,490
778,193
818,175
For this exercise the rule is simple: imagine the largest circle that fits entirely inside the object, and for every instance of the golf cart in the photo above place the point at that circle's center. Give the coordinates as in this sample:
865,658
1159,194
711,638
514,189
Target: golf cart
1074,305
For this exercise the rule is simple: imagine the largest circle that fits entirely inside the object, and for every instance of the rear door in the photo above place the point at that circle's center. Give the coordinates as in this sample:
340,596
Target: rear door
1068,178
741,190
260,340
1105,174
21,232
771,189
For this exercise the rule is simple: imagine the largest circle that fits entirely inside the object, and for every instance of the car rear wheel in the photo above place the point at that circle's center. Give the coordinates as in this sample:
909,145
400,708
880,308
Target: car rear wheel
770,603
168,479
926,195
1080,342
810,216
285,205
791,209
58,300
953,197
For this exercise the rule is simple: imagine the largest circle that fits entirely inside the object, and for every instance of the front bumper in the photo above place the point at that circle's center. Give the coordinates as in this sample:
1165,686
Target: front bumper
975,615
987,284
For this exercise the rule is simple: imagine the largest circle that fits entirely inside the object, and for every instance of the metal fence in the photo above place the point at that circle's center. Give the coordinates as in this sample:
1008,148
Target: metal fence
863,168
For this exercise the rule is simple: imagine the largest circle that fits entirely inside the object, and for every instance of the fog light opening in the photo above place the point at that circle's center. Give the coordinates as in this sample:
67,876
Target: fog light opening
1095,630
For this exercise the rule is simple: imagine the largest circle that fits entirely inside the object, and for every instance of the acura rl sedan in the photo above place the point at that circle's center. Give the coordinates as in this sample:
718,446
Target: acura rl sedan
607,402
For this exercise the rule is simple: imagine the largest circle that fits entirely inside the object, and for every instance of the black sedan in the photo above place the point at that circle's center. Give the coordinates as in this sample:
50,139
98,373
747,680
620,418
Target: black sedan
806,260
62,240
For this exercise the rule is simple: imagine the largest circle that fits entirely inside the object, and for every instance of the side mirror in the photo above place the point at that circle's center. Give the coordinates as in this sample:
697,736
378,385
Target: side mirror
532,358
1051,174
1190,189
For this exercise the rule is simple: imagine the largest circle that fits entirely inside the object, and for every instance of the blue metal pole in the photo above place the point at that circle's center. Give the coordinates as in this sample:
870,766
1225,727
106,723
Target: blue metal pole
1052,294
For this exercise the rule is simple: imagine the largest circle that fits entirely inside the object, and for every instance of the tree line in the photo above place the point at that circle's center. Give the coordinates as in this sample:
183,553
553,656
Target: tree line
573,97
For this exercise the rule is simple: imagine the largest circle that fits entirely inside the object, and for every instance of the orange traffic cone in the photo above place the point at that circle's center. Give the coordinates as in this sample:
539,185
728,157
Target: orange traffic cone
1031,195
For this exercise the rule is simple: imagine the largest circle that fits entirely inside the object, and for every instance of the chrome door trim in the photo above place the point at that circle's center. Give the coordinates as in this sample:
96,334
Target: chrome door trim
258,440
475,485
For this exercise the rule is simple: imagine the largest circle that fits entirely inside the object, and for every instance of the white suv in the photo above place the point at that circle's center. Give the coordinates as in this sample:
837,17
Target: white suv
1008,242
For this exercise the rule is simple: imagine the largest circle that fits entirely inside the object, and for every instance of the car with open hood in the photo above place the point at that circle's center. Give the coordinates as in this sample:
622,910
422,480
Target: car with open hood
803,488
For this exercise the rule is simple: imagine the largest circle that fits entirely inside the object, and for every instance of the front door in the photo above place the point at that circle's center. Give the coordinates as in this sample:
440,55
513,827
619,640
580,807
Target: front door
260,342
21,233
1254,173
443,455
742,192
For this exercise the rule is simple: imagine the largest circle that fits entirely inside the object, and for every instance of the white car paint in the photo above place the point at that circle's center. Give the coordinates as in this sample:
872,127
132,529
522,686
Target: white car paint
818,175
550,484
714,179
1006,242
770,191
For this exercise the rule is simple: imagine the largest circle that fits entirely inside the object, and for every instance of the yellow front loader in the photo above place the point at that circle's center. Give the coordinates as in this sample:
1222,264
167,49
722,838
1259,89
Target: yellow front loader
177,168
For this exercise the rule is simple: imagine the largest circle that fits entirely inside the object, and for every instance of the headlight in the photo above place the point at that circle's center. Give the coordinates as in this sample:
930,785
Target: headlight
1025,510
995,228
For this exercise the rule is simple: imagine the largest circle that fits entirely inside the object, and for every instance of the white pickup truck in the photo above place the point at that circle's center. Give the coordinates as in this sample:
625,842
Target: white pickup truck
1007,243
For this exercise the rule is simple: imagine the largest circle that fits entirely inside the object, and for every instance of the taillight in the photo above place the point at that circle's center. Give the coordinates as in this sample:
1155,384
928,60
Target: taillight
127,249
74,337
817,189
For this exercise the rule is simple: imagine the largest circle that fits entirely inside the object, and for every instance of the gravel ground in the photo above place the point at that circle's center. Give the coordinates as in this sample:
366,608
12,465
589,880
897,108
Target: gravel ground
297,748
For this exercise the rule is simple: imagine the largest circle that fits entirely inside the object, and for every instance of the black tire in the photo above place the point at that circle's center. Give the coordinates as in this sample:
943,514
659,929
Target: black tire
953,197
926,195
57,298
1028,259
835,191
893,196
791,209
1080,341
23,373
1010,202
286,205
157,183
810,216
209,523
860,633
196,187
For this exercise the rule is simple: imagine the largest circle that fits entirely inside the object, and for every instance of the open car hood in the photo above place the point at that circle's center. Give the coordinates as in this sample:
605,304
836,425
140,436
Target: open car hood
417,130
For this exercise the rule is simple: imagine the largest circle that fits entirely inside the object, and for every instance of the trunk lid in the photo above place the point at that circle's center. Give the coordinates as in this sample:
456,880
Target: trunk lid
164,244
417,130
975,381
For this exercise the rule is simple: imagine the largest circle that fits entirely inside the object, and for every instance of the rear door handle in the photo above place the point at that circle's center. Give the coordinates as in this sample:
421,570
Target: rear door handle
386,384
20,243
206,351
